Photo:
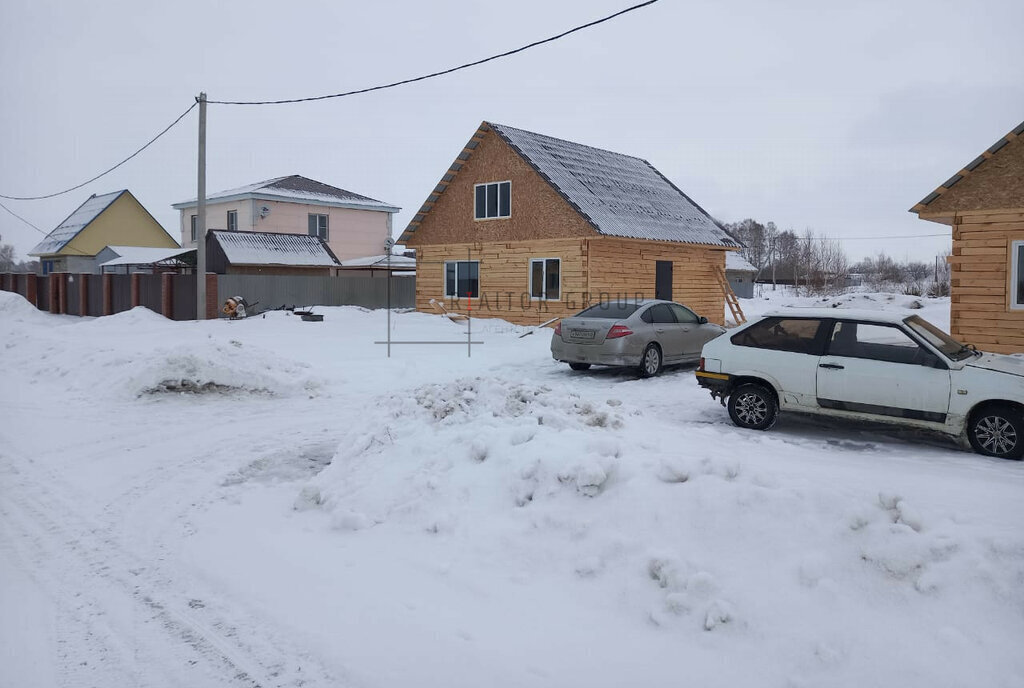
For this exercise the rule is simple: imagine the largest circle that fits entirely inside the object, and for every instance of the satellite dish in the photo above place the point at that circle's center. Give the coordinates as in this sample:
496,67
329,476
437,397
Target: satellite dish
264,211
388,244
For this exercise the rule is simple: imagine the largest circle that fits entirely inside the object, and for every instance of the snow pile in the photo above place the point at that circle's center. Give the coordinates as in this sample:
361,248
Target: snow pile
14,307
682,530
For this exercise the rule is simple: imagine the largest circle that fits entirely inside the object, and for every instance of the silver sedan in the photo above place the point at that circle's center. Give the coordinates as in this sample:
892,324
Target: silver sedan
645,335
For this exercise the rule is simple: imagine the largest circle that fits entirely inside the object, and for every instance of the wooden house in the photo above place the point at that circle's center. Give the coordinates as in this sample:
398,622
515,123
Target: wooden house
984,205
529,227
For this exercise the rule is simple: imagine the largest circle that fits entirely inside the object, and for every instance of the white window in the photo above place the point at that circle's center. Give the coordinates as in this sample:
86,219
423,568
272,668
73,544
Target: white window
545,278
232,220
1017,274
492,200
461,278
318,226
194,219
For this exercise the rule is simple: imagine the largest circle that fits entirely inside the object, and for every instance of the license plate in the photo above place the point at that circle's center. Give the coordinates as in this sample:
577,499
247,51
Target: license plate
582,334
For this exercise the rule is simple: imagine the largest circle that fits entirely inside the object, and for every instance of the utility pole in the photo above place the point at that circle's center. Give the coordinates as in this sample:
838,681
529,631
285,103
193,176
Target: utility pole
201,216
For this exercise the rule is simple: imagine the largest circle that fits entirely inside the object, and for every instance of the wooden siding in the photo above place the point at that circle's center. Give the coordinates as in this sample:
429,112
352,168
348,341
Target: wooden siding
980,312
996,183
505,279
627,266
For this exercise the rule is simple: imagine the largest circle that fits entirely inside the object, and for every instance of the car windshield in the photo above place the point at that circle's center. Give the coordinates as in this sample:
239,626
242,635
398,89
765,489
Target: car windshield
615,310
939,339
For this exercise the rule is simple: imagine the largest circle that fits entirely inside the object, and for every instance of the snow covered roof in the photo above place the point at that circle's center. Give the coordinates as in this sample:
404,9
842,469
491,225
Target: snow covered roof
619,195
296,189
265,248
143,255
381,262
67,230
734,261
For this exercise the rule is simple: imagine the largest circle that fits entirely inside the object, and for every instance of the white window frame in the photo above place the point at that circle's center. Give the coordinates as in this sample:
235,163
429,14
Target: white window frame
195,223
499,216
327,225
233,214
1015,275
544,278
444,278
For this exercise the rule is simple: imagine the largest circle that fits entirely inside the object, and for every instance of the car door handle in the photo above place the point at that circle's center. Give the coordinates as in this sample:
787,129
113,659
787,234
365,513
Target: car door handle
831,366
659,329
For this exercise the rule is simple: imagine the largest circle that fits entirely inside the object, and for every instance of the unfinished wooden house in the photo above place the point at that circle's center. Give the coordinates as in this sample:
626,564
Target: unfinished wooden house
529,227
984,205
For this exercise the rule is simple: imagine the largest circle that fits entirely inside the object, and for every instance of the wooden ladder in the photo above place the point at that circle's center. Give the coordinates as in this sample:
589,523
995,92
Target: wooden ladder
730,297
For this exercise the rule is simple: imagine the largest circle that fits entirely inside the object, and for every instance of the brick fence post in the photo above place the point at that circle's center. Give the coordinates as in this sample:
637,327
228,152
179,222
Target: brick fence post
32,290
136,294
167,295
54,305
108,293
83,294
212,299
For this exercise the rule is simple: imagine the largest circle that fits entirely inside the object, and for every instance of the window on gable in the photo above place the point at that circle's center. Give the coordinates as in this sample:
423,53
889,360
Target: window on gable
461,278
492,200
318,226
232,220
195,218
545,278
1017,270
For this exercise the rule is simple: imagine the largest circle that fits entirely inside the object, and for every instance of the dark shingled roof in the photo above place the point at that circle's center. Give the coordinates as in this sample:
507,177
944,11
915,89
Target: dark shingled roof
295,188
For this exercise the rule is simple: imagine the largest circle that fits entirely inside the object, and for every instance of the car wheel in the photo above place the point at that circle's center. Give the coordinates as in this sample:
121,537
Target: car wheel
580,366
997,431
752,406
650,362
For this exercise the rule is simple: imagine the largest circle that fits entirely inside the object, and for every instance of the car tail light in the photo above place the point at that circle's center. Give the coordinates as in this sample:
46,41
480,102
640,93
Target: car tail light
618,331
701,366
558,329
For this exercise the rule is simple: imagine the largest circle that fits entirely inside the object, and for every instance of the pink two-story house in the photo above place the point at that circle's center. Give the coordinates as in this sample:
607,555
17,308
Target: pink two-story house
352,225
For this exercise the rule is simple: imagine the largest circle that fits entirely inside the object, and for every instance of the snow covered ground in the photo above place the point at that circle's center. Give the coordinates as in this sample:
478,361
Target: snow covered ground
304,511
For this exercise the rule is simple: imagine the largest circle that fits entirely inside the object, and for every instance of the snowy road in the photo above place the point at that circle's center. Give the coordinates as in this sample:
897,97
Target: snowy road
342,519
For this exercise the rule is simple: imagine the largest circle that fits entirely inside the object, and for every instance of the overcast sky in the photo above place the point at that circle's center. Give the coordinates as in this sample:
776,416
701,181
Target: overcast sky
833,116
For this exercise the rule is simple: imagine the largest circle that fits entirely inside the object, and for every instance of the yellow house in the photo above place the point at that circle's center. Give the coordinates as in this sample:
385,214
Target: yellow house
116,219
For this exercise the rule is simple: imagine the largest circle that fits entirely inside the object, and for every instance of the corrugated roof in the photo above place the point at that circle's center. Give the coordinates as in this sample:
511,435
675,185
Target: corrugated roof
67,230
620,195
734,261
264,248
396,262
143,255
295,188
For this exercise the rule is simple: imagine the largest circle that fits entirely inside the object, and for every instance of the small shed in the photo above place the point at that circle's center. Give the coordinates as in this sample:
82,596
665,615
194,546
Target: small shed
264,253
740,274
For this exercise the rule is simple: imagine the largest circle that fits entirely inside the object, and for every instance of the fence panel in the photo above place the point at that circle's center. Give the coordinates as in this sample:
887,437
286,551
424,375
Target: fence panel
21,285
95,296
274,291
43,293
183,290
72,294
149,292
121,292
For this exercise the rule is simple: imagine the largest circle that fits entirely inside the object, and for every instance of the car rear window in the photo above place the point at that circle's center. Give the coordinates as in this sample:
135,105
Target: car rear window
798,335
615,310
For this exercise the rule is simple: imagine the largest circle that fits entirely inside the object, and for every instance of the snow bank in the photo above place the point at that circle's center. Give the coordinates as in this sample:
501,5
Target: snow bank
14,307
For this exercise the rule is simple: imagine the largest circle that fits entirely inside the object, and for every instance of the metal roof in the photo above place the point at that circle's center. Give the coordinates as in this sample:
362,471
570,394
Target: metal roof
620,195
396,262
265,248
67,230
143,255
734,261
296,189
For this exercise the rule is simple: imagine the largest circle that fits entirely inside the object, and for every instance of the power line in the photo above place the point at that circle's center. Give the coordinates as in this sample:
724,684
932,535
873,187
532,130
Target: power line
442,72
39,230
104,173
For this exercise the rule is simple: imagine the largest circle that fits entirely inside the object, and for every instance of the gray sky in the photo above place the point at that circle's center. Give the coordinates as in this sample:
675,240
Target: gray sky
833,116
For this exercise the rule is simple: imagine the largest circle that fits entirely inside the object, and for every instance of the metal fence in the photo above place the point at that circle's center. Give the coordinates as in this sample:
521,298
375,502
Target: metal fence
183,303
95,295
150,291
121,292
72,294
43,294
274,291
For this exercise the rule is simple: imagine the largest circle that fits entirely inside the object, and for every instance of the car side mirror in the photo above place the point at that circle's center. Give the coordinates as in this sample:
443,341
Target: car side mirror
702,320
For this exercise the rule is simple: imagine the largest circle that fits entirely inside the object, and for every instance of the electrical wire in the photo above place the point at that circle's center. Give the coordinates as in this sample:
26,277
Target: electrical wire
45,234
106,172
436,74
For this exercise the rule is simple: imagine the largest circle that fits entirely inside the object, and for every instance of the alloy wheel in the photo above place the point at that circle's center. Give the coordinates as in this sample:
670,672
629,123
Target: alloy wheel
996,434
752,409
652,360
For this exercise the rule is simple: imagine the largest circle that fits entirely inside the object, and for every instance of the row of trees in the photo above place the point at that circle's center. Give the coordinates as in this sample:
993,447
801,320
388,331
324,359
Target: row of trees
819,265
9,262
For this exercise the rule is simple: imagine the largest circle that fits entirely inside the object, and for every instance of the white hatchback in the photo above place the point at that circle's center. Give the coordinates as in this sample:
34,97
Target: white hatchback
867,365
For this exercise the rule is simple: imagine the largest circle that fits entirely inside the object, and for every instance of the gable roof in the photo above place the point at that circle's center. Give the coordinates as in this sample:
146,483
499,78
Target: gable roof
922,205
618,195
266,248
296,189
72,226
